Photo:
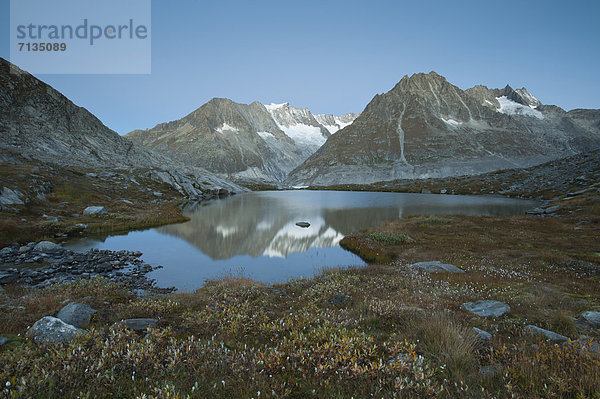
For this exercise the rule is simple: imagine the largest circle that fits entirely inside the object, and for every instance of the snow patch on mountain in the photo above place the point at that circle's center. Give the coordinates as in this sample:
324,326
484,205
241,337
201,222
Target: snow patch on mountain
273,106
451,122
226,128
510,107
266,135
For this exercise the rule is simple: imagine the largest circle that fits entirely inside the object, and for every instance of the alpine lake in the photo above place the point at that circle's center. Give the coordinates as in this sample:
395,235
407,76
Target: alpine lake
255,235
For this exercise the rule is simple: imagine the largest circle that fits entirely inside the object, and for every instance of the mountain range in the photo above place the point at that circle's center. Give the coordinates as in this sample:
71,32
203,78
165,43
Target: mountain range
426,127
39,123
247,142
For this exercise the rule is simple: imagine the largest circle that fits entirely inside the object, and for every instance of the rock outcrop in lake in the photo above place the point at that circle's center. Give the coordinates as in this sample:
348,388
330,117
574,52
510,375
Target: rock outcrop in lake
426,127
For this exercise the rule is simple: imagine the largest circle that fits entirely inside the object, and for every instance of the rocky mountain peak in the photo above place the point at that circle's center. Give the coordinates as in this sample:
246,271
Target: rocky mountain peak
521,96
248,142
427,127
420,82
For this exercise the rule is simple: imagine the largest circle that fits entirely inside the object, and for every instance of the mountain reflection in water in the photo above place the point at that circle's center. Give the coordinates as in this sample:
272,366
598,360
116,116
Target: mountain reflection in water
255,234
264,223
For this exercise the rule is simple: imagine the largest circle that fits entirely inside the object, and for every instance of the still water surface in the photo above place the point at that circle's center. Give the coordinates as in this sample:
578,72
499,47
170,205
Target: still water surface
255,234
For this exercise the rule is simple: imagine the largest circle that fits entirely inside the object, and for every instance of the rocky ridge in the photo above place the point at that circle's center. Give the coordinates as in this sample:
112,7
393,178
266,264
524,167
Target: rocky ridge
559,179
246,142
426,127
37,123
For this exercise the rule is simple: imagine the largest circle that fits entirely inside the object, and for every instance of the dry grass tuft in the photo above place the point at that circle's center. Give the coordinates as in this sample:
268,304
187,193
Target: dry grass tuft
453,346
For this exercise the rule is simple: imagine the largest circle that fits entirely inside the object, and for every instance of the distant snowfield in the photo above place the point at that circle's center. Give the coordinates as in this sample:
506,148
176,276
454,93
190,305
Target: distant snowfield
510,107
301,133
340,125
332,128
332,123
304,134
272,107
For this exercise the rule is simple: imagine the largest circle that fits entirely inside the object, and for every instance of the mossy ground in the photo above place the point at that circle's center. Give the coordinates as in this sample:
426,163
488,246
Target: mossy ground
69,192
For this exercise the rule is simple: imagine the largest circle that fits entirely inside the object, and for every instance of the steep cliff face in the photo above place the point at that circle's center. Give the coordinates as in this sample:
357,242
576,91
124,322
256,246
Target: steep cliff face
427,127
37,122
241,141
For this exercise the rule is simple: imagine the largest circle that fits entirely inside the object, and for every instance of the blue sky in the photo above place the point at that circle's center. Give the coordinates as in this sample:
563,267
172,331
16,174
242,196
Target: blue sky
334,56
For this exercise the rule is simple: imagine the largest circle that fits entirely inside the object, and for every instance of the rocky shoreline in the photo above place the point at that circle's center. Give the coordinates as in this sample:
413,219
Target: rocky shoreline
38,265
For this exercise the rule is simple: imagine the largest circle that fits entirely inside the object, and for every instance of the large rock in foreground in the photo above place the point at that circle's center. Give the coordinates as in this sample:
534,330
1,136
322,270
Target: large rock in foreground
592,318
549,335
47,246
486,308
76,314
50,330
436,267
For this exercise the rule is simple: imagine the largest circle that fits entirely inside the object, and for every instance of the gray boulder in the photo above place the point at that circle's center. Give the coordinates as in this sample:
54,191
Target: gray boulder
592,318
47,246
483,335
10,197
137,324
76,314
543,211
303,224
549,335
3,340
7,251
95,211
50,330
436,267
486,308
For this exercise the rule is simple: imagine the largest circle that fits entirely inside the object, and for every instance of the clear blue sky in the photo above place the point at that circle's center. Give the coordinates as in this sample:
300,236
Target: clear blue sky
334,56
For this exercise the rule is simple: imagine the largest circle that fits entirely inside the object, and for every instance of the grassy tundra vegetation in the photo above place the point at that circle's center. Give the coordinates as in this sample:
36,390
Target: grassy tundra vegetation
68,192
386,330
